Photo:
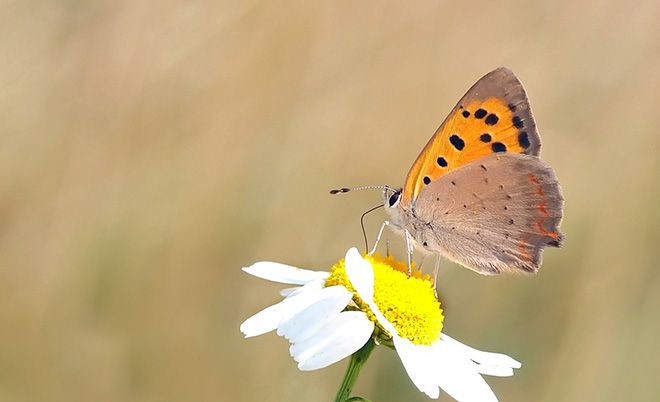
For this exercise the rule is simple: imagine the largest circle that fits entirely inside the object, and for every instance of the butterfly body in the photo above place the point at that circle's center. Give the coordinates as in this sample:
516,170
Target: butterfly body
478,193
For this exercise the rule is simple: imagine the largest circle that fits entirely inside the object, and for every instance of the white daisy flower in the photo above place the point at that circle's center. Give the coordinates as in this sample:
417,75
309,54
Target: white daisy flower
363,300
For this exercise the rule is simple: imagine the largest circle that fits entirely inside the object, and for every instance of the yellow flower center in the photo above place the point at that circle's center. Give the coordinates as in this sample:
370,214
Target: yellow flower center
408,303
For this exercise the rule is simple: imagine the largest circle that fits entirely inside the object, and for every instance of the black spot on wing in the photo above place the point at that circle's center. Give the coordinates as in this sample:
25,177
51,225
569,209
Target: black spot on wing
427,180
442,162
517,122
498,147
485,137
492,119
480,113
457,142
523,140
466,114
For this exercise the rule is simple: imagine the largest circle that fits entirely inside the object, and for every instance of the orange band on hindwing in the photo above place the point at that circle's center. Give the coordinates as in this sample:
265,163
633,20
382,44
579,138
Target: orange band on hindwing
544,212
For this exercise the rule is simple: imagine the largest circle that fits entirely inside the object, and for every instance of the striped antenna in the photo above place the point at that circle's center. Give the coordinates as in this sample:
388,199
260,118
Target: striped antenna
346,189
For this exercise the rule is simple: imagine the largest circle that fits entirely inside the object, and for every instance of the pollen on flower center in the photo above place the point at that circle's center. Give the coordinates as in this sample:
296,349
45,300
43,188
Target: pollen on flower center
409,304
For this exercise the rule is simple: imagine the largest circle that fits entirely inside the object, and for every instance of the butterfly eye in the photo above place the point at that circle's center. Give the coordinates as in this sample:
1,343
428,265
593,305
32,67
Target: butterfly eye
394,198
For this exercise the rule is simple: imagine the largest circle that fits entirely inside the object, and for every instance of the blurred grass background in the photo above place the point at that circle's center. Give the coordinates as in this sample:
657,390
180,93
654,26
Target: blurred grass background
151,149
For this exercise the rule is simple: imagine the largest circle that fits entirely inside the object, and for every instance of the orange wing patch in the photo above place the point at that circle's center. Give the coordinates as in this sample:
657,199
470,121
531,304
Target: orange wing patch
472,131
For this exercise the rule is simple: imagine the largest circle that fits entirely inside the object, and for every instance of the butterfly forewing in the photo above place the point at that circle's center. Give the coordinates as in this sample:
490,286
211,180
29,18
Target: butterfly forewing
495,214
492,117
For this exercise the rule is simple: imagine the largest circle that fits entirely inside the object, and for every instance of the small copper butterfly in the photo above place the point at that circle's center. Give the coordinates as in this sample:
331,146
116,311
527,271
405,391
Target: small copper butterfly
478,193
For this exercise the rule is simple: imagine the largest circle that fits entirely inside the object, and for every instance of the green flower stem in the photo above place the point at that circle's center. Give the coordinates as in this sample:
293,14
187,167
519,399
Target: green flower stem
357,361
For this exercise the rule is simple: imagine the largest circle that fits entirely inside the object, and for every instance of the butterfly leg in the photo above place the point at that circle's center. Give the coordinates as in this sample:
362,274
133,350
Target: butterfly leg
387,246
380,233
410,249
435,275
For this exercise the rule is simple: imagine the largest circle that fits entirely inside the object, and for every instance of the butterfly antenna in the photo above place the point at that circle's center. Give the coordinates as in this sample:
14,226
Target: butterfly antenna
346,189
364,232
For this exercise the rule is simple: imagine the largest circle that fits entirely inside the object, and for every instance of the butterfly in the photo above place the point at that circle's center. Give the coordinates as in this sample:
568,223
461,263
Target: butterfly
478,193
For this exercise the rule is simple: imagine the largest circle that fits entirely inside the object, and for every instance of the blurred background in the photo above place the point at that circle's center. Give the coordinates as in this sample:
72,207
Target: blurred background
152,149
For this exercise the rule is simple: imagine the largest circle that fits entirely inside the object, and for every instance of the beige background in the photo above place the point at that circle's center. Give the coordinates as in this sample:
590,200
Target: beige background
151,149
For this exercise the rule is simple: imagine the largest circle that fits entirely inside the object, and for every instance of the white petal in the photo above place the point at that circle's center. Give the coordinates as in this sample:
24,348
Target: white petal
293,291
337,339
417,361
331,302
264,321
496,364
361,274
495,371
288,291
267,319
276,272
457,375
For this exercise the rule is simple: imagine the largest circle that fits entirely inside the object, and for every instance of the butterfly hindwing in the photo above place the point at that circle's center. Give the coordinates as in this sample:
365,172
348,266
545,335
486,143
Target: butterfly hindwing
495,214
494,116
